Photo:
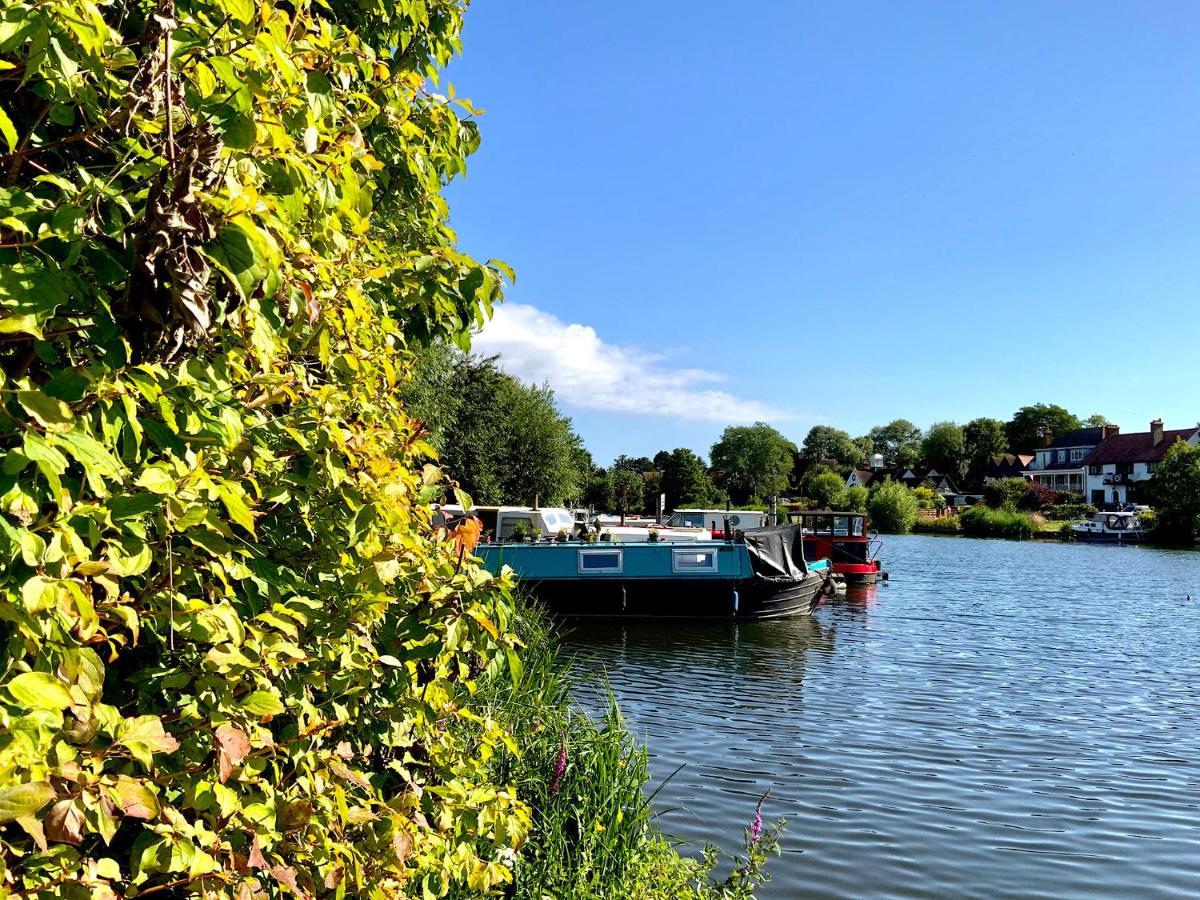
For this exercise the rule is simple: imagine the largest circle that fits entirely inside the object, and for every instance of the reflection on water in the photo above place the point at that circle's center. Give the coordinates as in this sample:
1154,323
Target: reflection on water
1000,719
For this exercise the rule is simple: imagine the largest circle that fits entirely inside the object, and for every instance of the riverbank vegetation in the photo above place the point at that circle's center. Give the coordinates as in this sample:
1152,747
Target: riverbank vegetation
592,834
240,660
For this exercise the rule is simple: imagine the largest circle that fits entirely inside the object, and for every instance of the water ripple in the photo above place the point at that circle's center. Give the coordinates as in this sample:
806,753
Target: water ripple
1002,720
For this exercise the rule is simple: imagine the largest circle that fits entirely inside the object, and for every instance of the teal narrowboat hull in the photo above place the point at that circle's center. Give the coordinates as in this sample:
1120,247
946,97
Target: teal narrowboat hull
658,580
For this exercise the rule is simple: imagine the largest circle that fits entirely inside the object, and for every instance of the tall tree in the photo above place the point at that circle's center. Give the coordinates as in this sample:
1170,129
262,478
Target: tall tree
640,464
1024,430
1175,491
752,462
825,442
983,438
943,448
685,481
507,442
628,490
899,441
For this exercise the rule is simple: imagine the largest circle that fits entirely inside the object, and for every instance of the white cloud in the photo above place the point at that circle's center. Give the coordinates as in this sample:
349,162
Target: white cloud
586,372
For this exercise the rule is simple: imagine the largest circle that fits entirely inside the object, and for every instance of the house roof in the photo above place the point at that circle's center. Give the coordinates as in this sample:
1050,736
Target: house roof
1137,447
1080,437
864,476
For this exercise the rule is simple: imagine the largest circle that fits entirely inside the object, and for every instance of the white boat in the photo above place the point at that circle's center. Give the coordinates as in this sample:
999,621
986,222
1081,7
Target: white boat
1111,528
545,523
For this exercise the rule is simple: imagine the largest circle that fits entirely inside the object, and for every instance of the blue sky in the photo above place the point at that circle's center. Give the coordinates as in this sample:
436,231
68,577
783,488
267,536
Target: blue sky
838,213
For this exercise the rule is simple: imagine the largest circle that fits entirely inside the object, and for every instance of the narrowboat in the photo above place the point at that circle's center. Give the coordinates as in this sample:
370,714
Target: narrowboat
1110,528
715,521
842,538
534,523
761,574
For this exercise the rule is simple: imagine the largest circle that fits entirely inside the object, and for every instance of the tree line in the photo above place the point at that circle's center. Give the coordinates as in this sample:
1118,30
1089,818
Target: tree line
507,442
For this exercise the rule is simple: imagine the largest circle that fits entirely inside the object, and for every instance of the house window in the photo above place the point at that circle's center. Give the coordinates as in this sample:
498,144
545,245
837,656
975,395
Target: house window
1062,455
1076,455
694,560
600,562
1095,470
1152,467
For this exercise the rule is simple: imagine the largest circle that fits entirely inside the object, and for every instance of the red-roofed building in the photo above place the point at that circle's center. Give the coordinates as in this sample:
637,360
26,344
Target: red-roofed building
1119,462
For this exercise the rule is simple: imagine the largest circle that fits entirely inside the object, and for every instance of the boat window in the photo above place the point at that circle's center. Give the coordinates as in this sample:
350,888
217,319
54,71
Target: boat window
599,561
856,526
694,560
510,522
687,520
841,526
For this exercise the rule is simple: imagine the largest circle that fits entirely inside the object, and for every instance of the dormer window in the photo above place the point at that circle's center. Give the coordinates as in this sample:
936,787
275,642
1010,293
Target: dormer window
1076,455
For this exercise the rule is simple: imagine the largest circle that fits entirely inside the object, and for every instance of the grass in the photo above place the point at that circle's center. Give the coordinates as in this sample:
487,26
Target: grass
593,833
944,525
984,521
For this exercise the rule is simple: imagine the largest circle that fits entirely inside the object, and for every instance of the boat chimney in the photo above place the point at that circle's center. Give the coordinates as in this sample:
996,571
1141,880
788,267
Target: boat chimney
1109,431
1156,432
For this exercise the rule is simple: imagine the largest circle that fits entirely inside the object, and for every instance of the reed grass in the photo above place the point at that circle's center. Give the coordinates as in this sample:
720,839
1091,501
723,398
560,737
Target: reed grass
585,779
984,521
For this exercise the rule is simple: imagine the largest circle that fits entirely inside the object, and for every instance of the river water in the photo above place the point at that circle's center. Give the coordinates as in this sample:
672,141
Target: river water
1000,720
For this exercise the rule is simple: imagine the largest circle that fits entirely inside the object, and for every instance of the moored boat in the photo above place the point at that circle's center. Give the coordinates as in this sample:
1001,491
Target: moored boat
1110,528
842,538
762,574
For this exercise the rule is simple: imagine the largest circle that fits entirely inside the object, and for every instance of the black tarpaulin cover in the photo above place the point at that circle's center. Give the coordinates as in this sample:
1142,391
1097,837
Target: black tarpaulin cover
777,551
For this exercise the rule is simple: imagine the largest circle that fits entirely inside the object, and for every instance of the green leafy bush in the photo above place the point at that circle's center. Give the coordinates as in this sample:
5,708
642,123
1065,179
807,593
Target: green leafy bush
1005,492
928,498
893,508
983,521
941,525
827,491
856,498
238,657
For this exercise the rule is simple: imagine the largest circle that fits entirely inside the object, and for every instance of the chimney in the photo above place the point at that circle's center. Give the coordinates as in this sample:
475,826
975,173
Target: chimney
1109,431
1156,432
1047,435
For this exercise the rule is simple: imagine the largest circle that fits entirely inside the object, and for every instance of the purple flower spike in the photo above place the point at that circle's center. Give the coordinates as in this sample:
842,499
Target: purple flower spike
560,766
756,825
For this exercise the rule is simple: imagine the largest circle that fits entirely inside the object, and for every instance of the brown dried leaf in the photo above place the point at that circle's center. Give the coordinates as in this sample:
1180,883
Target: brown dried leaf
256,859
64,822
345,772
344,751
334,877
286,875
401,845
232,747
234,742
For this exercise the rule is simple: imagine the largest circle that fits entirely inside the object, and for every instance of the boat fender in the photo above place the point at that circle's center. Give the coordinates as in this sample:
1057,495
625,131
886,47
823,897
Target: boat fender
736,602
623,598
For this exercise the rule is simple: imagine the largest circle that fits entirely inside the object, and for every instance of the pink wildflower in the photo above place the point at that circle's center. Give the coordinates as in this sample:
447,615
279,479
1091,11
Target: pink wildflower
560,766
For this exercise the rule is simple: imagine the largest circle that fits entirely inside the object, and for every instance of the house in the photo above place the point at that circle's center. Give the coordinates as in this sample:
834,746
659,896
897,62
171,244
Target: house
1007,465
1059,464
1117,466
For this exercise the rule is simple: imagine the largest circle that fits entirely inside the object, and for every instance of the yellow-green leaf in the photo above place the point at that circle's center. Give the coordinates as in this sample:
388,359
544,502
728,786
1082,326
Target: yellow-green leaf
51,413
9,132
262,703
24,800
39,690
